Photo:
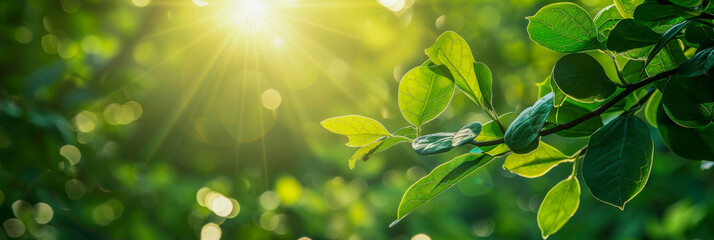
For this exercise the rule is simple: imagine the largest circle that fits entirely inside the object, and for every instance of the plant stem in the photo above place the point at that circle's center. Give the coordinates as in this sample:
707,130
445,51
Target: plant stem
599,110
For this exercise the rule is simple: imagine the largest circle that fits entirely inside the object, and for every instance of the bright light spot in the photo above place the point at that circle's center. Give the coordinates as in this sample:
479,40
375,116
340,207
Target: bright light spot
421,236
141,3
269,200
278,42
221,205
288,189
393,5
85,121
43,213
201,195
271,99
14,227
200,3
22,209
71,153
252,8
210,231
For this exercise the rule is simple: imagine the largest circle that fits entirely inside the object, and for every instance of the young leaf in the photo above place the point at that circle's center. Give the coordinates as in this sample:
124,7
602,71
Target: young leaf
424,93
563,27
655,12
627,7
441,178
605,20
522,136
491,131
689,143
364,152
630,34
453,52
443,142
536,163
690,101
360,130
666,37
581,77
699,64
619,159
559,204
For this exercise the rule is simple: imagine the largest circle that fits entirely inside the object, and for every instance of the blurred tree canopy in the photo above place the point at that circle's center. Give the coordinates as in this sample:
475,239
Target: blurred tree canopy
179,119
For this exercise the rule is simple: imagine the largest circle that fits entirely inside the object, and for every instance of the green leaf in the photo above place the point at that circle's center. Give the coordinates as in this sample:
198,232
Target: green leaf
563,27
627,7
390,142
666,37
491,131
655,12
689,143
424,93
364,152
569,112
632,70
658,27
699,64
687,3
669,58
408,132
441,178
443,142
605,20
582,77
548,86
453,52
559,204
466,134
690,101
701,34
536,163
651,108
618,161
629,34
433,143
360,130
522,136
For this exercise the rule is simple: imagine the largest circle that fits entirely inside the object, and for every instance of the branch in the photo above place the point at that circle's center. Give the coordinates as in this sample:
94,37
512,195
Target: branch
597,112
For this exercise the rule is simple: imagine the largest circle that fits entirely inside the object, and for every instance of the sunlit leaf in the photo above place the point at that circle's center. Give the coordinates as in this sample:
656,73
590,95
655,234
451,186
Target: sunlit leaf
424,93
536,163
670,57
523,134
453,52
666,37
563,27
360,130
627,7
605,20
441,178
655,12
364,152
560,203
618,160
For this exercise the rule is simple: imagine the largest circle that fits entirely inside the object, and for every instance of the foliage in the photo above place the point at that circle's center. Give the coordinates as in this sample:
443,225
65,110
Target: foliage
617,160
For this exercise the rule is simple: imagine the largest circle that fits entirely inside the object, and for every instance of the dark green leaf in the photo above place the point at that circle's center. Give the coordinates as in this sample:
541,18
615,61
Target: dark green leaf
689,143
466,134
655,12
652,107
433,143
563,27
630,34
699,64
701,34
536,163
581,77
687,3
618,161
568,112
441,178
424,93
559,204
690,101
491,131
631,71
522,136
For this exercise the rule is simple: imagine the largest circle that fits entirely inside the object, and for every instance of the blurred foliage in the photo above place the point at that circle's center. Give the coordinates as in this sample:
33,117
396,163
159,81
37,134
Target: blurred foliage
161,119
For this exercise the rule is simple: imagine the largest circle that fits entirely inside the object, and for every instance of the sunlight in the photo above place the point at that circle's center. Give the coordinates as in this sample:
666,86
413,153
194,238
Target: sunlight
253,8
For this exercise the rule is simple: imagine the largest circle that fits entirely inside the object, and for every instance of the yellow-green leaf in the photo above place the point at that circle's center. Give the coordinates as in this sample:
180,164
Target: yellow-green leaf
536,163
559,204
360,130
424,93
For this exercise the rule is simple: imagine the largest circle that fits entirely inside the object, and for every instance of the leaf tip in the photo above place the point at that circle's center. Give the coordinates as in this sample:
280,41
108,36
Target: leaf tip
394,223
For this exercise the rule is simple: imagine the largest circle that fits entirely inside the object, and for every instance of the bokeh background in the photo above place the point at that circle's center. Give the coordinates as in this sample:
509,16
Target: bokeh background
180,119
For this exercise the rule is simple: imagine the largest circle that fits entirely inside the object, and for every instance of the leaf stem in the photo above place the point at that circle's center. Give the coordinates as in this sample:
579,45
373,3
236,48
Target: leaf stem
597,112
623,82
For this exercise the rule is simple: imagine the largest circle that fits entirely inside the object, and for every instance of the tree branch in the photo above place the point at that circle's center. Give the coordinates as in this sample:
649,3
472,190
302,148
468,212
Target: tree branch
597,112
